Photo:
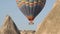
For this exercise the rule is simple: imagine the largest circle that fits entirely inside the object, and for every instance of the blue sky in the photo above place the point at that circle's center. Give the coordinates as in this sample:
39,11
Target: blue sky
9,7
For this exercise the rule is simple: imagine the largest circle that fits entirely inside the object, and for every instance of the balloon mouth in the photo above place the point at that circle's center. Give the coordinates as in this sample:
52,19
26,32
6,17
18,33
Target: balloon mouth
30,18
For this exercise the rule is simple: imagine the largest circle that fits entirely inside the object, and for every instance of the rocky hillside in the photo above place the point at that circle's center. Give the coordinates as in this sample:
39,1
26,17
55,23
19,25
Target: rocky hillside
51,24
9,27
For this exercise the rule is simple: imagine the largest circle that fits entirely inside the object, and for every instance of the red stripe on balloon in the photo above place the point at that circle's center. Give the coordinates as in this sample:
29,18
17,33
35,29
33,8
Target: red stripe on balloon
16,0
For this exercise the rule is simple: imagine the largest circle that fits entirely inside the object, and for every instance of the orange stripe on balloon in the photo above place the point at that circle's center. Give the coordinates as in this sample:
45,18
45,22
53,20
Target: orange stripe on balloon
30,18
23,2
35,3
27,3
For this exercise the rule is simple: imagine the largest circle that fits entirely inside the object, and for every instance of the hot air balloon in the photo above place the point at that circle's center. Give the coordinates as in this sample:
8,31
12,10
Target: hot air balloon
30,8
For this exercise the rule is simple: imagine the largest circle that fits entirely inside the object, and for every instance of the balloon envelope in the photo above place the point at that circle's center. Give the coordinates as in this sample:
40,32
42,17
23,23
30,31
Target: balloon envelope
31,8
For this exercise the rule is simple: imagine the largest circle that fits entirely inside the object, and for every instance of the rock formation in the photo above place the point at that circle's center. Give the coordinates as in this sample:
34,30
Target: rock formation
27,32
9,27
0,32
51,24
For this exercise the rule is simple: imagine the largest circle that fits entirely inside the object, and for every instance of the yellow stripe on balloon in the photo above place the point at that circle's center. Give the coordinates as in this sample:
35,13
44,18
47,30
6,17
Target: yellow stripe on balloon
39,1
31,4
20,4
23,0
27,3
35,2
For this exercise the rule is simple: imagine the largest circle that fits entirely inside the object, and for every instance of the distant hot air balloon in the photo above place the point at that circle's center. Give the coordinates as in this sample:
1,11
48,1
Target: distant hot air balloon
31,8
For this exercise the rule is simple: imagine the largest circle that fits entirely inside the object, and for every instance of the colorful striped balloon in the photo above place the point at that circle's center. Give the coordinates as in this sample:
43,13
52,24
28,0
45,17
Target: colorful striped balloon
30,8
